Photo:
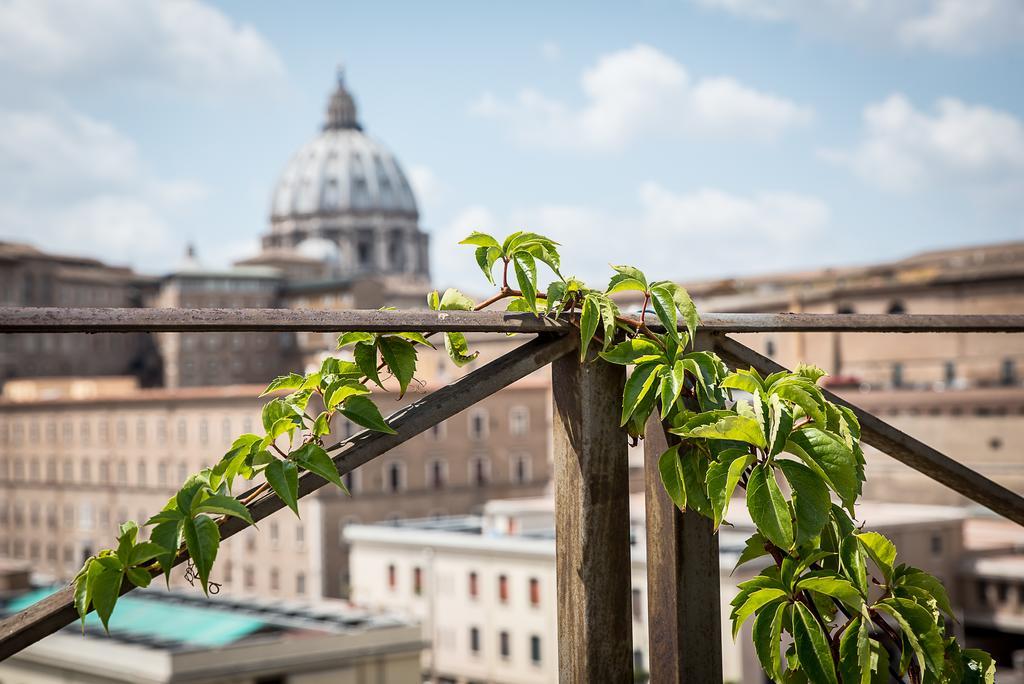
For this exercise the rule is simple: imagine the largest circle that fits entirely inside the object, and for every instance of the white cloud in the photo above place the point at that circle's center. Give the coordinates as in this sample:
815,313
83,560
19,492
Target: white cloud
642,92
75,184
952,26
706,232
958,144
186,45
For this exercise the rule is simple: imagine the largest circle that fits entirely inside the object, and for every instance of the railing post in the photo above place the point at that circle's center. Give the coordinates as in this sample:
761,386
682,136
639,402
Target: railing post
684,619
591,523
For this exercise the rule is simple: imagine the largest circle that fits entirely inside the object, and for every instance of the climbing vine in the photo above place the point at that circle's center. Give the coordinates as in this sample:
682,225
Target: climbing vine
831,604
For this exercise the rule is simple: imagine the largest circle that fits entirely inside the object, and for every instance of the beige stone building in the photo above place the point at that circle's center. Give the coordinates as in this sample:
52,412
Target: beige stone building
71,469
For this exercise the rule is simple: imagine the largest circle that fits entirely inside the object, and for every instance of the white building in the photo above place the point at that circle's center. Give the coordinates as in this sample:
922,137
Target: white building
484,586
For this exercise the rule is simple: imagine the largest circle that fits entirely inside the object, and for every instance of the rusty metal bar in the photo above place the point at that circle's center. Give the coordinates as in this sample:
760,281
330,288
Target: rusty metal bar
56,320
57,610
900,445
591,523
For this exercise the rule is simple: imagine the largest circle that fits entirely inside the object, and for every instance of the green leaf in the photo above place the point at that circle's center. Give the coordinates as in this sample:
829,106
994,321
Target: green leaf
812,647
852,560
139,577
665,309
283,478
919,629
639,383
624,283
836,587
672,382
920,579
589,319
526,274
480,240
742,381
632,272
799,395
458,349
276,410
855,653
486,257
633,351
167,535
145,552
812,373
810,499
755,548
224,505
82,597
753,603
400,357
823,452
361,411
453,300
737,428
768,508
609,312
365,355
686,309
416,337
348,338
104,590
723,477
202,538
768,639
881,550
672,476
781,421
313,458
340,390
336,367
979,668
290,381
695,473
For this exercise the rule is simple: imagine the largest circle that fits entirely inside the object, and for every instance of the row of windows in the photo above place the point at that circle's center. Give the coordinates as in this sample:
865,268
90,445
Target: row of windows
85,516
505,645
478,427
995,593
143,431
274,537
437,474
473,585
106,472
273,578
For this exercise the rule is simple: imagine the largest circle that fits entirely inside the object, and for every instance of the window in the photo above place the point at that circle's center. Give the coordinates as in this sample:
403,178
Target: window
534,591
474,589
391,577
141,473
478,471
897,375
845,309
161,474
273,534
249,577
86,471
897,307
535,649
474,639
769,347
395,481
503,588
436,474
182,431
478,423
417,581
1008,372
300,583
204,431
439,430
122,473
638,661
300,536
104,472
521,469
936,544
949,373
503,645
275,579
638,607
518,420
351,480
140,431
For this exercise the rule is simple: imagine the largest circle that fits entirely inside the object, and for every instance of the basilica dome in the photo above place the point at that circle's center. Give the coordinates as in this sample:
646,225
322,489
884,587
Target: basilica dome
345,188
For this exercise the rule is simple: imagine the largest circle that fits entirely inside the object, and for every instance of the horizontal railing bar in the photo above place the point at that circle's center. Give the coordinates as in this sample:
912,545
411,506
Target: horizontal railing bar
99,320
900,445
58,610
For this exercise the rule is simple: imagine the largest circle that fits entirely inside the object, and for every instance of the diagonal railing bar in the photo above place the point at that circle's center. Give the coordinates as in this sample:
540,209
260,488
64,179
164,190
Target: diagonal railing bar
58,610
96,320
900,445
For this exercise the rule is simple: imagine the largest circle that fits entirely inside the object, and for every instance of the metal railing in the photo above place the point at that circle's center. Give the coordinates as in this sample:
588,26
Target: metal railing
590,468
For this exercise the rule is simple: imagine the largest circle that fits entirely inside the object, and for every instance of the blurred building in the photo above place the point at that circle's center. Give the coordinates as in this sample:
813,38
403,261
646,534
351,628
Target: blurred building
77,461
158,637
484,586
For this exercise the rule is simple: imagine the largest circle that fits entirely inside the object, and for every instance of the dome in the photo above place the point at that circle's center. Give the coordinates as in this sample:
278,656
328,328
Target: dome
342,170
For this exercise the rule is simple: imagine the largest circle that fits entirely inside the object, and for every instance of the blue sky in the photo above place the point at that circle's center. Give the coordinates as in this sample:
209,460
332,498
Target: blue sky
725,135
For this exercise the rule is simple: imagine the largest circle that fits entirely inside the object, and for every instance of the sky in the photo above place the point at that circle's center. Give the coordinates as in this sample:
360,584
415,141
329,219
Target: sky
692,138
